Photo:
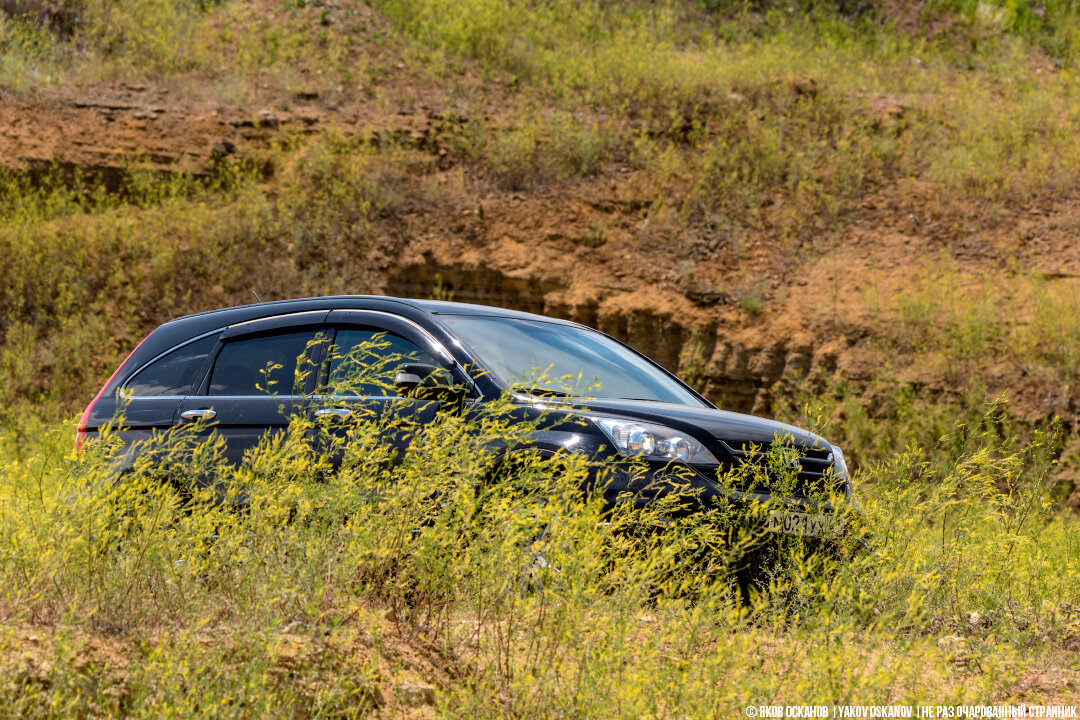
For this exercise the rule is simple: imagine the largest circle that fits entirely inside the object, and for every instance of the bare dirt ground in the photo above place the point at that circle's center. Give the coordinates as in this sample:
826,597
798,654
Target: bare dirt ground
394,676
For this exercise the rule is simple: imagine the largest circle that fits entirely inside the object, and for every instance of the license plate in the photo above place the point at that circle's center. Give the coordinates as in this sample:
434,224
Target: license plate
791,522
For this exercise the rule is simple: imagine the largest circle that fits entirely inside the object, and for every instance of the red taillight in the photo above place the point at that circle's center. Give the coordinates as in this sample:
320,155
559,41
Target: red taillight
80,431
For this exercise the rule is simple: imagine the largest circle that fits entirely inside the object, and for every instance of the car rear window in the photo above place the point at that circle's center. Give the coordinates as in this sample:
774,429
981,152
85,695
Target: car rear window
263,365
172,374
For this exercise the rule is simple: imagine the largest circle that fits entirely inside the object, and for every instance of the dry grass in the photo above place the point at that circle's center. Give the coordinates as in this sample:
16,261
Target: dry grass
355,594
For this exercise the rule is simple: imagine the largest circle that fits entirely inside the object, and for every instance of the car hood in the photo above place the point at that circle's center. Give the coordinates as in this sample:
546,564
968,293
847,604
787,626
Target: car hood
707,425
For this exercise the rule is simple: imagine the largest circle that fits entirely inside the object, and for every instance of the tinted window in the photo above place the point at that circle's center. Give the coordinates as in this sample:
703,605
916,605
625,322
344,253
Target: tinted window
265,365
364,361
565,359
172,374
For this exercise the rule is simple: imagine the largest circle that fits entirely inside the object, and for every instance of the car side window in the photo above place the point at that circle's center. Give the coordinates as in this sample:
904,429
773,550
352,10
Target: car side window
263,365
364,362
173,374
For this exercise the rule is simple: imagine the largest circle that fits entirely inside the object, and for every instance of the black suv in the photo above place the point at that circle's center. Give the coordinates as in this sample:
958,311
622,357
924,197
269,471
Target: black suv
594,394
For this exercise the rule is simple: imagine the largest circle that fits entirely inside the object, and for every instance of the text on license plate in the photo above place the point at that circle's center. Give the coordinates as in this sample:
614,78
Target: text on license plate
791,522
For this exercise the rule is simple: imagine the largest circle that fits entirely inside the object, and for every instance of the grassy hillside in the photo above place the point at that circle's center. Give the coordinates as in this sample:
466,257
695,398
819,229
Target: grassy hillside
857,216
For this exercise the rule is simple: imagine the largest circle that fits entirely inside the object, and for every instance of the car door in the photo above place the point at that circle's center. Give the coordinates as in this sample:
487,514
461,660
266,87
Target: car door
258,380
357,379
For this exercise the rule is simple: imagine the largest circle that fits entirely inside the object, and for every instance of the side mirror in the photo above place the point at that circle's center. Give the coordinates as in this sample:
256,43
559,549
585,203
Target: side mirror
411,375
425,382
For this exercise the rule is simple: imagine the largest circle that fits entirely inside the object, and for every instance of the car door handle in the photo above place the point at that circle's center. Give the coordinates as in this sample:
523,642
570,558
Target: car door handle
333,412
201,414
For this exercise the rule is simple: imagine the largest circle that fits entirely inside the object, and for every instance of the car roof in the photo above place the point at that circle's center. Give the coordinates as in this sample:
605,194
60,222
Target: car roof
239,313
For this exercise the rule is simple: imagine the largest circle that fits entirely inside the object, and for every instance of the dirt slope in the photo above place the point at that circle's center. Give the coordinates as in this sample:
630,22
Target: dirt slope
736,319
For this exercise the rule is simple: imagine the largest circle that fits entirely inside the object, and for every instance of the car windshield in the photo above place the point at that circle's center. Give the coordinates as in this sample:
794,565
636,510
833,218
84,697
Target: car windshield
547,358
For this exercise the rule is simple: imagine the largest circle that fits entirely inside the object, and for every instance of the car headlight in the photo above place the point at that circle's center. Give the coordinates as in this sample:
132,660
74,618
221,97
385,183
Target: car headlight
652,441
839,463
